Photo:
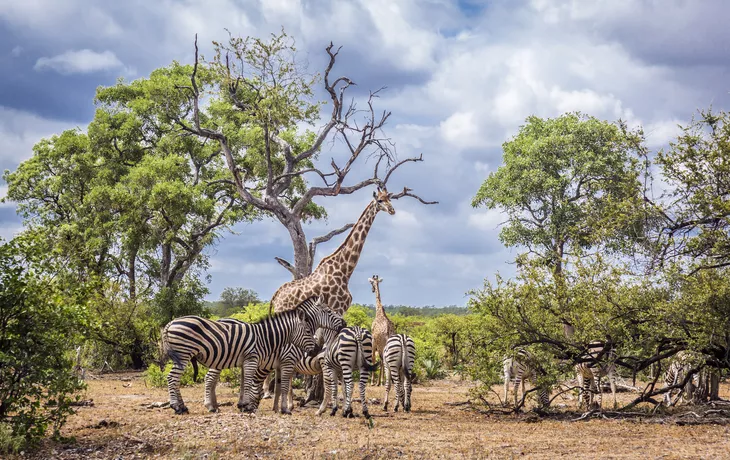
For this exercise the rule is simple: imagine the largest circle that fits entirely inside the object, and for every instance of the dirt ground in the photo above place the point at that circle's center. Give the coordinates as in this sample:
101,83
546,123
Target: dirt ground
120,426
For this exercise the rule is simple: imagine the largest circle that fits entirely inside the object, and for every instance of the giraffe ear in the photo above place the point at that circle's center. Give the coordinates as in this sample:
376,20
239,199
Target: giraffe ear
375,194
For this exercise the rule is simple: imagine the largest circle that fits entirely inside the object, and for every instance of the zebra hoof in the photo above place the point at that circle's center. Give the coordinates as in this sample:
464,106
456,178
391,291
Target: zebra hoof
266,396
366,414
334,411
407,409
212,410
385,408
285,412
347,413
180,410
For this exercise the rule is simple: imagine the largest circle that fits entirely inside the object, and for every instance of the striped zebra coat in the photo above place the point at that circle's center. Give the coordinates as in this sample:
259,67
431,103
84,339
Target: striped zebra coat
519,369
226,343
599,363
682,363
399,355
304,365
353,350
221,345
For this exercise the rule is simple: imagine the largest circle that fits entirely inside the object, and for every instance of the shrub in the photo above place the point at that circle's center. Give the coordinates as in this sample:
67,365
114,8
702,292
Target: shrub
157,378
38,320
231,376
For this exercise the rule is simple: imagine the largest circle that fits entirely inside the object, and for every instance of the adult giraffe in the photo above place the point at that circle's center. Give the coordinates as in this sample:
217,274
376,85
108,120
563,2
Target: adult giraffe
331,277
382,328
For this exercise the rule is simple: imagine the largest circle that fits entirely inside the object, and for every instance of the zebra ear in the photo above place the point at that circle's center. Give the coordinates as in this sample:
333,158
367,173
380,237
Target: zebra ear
302,316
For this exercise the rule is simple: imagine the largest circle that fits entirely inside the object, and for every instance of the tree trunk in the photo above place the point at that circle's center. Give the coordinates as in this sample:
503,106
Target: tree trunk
137,355
302,261
714,386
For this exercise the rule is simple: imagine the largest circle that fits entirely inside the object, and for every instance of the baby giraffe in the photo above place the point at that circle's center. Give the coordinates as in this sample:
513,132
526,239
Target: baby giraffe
382,328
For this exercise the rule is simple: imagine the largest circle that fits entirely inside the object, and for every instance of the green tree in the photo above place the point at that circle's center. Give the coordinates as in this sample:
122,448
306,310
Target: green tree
567,185
235,300
696,228
39,320
131,205
359,315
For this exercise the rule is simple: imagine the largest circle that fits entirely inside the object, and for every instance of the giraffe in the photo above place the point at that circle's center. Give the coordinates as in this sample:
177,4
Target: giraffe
382,328
331,277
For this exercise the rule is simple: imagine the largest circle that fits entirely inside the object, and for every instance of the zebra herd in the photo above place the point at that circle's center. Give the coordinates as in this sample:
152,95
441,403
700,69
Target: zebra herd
599,362
308,340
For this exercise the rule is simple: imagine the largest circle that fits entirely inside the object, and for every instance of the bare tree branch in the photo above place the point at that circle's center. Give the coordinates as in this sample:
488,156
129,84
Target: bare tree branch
287,265
407,192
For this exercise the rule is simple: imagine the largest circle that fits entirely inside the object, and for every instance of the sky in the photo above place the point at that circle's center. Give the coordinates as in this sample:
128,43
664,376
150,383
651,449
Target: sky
461,78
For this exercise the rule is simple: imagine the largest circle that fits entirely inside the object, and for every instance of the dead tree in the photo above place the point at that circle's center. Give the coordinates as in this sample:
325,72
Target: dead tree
246,87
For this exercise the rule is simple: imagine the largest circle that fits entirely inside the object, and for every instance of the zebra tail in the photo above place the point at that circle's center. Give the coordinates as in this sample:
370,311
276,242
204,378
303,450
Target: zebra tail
404,350
163,348
194,362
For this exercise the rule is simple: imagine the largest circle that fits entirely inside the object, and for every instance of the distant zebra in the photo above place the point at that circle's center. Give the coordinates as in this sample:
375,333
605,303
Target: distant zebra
225,344
399,355
353,350
599,363
682,363
519,369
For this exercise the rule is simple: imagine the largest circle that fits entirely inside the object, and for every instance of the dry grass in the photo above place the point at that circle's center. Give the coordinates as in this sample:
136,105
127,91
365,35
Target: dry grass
433,430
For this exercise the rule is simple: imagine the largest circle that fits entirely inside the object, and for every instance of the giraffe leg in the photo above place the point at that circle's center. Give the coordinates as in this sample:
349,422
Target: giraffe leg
211,380
173,388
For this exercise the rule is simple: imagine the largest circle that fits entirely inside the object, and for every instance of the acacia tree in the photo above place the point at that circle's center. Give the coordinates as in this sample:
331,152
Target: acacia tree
260,95
567,184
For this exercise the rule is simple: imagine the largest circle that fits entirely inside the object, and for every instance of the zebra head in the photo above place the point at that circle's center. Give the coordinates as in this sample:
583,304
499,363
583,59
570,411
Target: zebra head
302,335
319,316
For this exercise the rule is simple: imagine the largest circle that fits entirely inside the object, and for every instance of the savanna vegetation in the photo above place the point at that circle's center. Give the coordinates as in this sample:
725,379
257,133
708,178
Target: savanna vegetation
118,217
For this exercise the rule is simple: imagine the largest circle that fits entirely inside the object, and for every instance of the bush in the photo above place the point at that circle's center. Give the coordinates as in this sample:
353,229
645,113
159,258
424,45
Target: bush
10,443
38,320
156,378
231,376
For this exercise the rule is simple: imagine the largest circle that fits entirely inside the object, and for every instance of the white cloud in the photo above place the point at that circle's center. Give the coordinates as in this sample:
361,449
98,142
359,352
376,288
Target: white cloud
20,130
79,61
488,220
461,130
17,51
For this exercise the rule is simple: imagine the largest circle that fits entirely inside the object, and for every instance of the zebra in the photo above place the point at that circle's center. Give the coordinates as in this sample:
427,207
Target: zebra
599,362
267,356
219,345
224,344
353,350
519,369
399,355
681,365
305,365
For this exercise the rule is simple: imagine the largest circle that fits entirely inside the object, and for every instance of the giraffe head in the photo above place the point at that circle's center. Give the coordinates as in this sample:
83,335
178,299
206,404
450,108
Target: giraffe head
374,281
381,197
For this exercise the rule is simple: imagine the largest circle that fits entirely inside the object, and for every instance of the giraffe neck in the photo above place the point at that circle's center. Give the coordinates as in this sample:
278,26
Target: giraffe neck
345,258
379,309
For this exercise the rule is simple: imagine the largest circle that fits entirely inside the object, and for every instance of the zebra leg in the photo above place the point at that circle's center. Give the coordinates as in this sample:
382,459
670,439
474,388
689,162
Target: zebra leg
381,372
388,384
507,378
277,388
267,387
395,375
585,394
364,374
613,390
173,388
211,380
284,382
515,389
328,378
347,390
408,389
248,397
599,394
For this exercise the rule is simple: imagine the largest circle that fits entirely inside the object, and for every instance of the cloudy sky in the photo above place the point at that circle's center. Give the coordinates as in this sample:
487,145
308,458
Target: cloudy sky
461,75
